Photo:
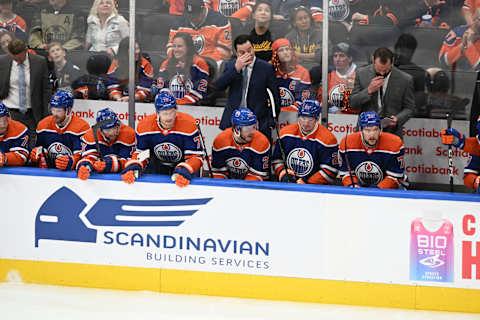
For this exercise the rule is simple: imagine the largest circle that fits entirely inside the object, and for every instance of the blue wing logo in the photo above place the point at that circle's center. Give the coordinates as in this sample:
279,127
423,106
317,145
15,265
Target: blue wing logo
59,216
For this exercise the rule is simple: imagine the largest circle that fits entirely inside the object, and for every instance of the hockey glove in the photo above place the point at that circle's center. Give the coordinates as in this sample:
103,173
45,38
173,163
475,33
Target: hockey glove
181,176
131,173
37,156
108,165
300,181
476,184
83,172
3,159
453,137
64,162
287,176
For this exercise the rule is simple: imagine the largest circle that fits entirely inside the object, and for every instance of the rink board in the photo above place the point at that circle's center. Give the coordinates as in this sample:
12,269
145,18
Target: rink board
242,239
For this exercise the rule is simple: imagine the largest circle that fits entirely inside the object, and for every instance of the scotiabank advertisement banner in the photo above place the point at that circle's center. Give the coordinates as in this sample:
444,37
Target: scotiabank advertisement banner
301,231
425,157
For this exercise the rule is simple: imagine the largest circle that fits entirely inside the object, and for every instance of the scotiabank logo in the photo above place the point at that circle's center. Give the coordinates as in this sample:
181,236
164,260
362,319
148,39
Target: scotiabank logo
59,217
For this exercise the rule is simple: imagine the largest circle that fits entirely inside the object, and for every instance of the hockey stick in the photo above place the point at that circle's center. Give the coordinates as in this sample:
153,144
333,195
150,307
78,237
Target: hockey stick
95,127
275,120
347,161
450,151
202,142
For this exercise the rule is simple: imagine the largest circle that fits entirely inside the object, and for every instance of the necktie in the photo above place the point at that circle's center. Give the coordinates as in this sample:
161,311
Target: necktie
243,103
22,90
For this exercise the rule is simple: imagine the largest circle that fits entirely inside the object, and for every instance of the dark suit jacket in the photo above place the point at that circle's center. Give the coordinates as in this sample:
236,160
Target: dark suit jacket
399,99
40,90
262,77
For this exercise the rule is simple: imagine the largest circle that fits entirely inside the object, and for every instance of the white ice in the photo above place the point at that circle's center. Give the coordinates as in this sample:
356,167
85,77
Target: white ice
38,302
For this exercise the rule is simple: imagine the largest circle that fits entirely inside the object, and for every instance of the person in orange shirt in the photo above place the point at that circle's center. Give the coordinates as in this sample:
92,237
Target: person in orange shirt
13,140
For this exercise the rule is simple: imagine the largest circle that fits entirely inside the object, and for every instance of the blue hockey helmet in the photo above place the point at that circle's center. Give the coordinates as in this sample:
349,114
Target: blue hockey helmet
243,117
369,119
4,111
61,99
309,108
164,101
107,114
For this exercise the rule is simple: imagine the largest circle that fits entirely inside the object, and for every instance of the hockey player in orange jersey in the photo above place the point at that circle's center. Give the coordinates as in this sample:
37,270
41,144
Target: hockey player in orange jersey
370,157
168,142
116,144
310,149
458,140
13,140
58,135
241,151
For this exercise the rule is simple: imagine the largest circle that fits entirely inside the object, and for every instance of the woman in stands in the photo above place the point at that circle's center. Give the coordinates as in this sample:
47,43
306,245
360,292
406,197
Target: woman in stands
184,74
106,28
118,75
261,36
306,40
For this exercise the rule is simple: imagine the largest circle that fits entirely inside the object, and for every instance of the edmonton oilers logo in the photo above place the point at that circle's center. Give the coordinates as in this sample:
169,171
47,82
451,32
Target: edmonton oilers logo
286,97
228,7
198,43
168,152
369,173
300,161
336,95
237,167
178,88
338,10
56,149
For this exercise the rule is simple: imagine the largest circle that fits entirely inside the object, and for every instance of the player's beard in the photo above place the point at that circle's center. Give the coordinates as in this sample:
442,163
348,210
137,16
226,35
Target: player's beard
62,121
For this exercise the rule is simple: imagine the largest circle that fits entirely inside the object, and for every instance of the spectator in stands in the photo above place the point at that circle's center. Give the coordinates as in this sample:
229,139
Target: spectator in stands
383,88
24,85
404,49
305,38
293,79
5,38
59,22
118,74
261,37
106,28
428,13
11,21
468,10
341,80
28,8
185,74
64,72
176,7
93,85
211,31
462,46
281,9
240,9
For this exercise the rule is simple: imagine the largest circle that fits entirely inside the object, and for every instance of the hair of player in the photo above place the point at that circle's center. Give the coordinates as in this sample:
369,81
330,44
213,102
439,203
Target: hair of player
17,46
384,54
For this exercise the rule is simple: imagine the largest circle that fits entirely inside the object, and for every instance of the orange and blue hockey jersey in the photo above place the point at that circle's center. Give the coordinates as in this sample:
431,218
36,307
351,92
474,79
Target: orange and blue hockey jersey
142,86
240,9
61,141
122,148
14,144
212,39
249,161
17,26
451,51
382,166
312,157
185,92
168,148
339,91
471,171
294,88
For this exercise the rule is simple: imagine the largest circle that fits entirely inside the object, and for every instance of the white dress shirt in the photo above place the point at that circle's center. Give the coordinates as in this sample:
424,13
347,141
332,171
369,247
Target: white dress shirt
12,99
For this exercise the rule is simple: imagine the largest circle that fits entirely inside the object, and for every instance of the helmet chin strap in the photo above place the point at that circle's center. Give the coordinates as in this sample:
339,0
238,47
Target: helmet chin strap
68,117
237,136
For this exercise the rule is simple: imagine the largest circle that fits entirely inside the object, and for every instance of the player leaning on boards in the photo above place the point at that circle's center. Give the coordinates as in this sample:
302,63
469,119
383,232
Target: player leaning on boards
58,135
108,152
167,143
311,150
241,152
13,140
370,157
471,173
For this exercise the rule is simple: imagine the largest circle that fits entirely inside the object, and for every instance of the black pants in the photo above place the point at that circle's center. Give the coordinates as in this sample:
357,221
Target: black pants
28,120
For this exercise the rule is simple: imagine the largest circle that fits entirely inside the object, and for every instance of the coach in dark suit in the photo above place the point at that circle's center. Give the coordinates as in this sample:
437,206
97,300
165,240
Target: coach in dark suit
385,89
247,78
22,73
